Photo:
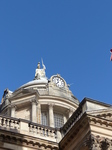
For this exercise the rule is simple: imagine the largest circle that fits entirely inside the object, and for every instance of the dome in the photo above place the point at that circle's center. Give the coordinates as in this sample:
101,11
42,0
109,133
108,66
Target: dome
42,100
35,82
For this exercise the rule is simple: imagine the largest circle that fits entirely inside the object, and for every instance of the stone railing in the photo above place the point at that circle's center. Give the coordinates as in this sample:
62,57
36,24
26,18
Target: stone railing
44,131
29,128
9,123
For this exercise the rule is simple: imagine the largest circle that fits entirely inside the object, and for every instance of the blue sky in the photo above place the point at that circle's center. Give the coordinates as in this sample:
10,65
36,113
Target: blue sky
73,38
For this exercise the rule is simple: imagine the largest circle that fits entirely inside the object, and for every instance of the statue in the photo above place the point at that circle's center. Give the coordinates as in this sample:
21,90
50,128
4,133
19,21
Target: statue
38,66
40,73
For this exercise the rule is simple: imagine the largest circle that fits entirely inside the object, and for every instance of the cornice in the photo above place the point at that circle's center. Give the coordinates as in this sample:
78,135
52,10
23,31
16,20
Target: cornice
100,121
74,129
105,115
75,124
72,120
57,98
26,141
23,97
94,101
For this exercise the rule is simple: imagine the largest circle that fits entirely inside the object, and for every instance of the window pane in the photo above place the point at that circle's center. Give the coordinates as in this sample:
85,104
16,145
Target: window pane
58,120
44,118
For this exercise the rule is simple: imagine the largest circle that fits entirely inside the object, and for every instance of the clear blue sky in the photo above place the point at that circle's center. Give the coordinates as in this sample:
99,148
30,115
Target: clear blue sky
73,38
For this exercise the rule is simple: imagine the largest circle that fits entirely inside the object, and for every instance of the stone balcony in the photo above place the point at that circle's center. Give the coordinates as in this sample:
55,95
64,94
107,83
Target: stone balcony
27,128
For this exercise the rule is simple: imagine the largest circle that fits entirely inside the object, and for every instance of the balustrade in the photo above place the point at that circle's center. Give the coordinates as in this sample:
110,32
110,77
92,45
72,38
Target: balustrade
42,130
29,128
9,123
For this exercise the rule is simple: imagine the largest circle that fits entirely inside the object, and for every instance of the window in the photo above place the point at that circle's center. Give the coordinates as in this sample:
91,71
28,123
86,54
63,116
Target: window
44,120
58,120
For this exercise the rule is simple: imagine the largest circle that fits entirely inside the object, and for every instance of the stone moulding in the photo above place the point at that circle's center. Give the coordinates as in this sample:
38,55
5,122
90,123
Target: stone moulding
100,121
79,121
74,129
72,120
25,141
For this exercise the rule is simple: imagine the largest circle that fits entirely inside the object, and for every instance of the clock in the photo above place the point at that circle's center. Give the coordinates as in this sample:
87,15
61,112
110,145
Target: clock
58,81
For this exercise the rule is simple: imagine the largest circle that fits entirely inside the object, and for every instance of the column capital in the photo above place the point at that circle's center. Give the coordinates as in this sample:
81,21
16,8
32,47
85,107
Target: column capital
12,106
69,110
34,100
51,105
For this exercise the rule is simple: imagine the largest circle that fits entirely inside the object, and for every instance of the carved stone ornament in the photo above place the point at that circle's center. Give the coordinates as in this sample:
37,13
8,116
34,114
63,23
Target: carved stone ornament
13,106
97,143
34,100
51,105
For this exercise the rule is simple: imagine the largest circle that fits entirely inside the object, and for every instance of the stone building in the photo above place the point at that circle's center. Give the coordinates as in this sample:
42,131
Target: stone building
43,114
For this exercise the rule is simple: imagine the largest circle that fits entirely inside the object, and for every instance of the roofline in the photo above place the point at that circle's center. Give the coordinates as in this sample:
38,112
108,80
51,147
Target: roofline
95,101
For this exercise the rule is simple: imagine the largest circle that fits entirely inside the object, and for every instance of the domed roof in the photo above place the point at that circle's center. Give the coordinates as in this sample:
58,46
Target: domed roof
40,77
35,82
56,86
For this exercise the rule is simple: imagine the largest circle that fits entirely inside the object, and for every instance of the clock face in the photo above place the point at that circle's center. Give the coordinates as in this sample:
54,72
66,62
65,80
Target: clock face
58,81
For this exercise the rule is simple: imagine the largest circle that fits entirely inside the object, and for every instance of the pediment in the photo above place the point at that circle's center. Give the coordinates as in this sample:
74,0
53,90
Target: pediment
23,93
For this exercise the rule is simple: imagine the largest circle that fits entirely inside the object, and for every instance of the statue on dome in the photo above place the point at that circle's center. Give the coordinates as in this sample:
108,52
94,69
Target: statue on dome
40,73
38,66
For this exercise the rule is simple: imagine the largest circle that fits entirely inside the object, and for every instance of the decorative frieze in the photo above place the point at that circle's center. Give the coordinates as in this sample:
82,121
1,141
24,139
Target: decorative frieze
105,115
21,141
99,121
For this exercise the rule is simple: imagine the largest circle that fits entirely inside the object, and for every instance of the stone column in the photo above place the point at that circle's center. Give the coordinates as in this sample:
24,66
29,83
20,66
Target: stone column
70,112
65,119
39,113
51,115
34,110
13,109
9,111
59,136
